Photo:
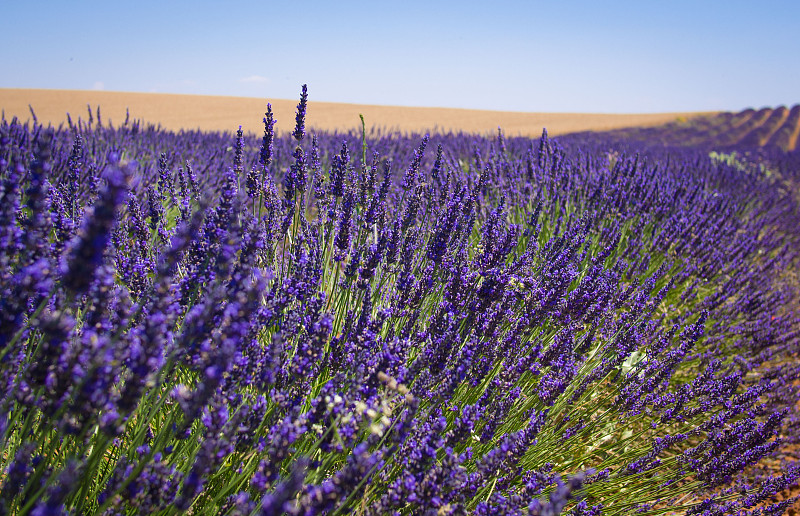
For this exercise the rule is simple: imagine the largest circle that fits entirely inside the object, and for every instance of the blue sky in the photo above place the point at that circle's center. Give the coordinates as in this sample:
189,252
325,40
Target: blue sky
556,56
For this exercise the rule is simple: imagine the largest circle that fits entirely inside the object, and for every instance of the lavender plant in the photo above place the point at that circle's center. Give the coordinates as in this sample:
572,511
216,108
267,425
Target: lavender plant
499,326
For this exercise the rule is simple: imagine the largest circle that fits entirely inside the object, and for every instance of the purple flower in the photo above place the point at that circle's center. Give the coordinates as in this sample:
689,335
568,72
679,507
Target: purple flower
342,240
87,253
267,143
238,155
413,170
300,116
339,166
299,171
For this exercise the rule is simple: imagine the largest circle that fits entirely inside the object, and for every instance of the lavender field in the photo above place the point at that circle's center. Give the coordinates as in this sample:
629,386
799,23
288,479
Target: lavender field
377,323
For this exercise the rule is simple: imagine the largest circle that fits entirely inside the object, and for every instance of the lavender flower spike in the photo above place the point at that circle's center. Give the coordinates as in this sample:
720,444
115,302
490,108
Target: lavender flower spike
300,117
265,157
87,253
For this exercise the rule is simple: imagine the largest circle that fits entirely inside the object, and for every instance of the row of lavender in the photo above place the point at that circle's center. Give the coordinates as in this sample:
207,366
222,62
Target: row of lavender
378,323
777,130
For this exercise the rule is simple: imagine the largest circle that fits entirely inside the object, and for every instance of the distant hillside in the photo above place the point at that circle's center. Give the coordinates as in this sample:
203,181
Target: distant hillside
779,127
217,113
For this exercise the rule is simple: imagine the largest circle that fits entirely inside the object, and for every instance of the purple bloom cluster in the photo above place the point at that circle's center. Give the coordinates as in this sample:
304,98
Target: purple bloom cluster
510,326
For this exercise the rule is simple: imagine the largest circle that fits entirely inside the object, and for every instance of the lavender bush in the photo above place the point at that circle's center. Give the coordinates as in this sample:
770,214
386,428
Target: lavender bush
375,323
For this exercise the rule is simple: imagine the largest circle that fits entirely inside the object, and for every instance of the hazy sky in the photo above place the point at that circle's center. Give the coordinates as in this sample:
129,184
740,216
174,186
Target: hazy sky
554,56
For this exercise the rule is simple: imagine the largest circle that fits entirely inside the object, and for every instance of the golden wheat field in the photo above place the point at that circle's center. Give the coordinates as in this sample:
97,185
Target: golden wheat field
220,113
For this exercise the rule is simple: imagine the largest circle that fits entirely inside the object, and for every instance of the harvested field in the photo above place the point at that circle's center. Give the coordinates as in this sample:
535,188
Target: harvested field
212,113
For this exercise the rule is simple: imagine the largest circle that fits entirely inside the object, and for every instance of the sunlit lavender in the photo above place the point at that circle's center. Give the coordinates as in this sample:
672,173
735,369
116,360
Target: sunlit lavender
374,323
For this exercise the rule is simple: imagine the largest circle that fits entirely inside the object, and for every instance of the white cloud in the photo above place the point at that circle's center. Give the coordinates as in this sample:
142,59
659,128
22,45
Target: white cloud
98,86
254,79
